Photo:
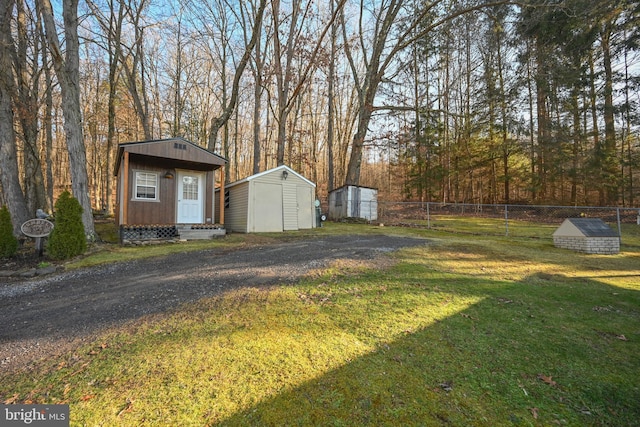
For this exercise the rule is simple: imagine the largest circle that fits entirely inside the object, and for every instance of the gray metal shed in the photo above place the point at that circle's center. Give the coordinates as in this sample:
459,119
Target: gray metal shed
589,235
353,201
275,200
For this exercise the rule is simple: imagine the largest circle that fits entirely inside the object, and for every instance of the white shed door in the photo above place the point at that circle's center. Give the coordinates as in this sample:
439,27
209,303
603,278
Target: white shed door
190,197
305,207
267,208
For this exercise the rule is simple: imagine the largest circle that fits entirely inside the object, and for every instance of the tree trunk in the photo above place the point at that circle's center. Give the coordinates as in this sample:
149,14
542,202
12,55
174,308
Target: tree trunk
115,31
67,70
543,133
257,100
610,168
331,104
27,112
9,174
46,121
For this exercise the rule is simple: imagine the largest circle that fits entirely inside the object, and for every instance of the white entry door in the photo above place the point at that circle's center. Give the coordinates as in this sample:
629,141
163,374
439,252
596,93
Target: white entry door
190,197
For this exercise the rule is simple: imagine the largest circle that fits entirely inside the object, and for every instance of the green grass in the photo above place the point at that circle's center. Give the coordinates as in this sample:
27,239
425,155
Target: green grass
467,330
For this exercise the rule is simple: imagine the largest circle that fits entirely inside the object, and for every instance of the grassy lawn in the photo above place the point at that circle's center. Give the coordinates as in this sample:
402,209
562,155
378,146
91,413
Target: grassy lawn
467,330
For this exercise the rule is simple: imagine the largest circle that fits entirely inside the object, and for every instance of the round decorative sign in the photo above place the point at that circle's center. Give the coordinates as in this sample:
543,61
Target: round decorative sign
37,228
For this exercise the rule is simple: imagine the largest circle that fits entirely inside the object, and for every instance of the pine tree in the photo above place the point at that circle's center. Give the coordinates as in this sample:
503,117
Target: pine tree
8,242
67,238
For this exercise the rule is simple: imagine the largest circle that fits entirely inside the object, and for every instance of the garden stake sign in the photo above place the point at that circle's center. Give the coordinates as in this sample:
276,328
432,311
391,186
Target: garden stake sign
38,229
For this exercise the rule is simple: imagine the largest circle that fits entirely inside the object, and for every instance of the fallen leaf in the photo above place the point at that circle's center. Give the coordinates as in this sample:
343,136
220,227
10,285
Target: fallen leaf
12,399
622,338
87,397
67,389
546,379
534,413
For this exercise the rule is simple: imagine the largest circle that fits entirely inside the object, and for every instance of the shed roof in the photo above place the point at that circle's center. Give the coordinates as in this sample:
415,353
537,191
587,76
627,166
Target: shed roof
587,227
276,169
178,149
352,185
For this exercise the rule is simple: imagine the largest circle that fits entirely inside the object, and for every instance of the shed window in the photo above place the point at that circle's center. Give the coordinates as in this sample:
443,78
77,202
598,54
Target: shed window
146,186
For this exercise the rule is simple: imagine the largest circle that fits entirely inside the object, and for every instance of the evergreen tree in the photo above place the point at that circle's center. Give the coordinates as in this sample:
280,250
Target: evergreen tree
67,238
8,242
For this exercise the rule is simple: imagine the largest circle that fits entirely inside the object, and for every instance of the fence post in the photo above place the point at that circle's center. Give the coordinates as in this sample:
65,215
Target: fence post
506,219
619,226
428,218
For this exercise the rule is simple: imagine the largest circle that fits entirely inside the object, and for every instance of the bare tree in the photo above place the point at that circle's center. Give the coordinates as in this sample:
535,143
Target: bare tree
293,58
9,174
228,109
257,64
67,67
111,25
28,77
132,59
380,42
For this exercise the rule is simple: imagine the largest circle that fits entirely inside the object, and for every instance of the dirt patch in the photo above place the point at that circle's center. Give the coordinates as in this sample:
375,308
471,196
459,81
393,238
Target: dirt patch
48,316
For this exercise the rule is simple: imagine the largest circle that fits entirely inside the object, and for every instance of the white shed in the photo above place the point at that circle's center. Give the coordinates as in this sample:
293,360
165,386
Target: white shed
278,199
589,235
352,201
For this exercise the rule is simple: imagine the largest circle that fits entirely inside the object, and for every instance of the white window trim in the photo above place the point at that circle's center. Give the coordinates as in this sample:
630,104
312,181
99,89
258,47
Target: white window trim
135,186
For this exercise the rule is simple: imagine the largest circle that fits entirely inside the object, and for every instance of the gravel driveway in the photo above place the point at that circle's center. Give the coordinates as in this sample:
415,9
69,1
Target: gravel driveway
45,317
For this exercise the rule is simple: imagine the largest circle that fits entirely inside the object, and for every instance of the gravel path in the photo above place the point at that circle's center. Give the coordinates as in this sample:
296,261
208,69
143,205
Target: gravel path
45,317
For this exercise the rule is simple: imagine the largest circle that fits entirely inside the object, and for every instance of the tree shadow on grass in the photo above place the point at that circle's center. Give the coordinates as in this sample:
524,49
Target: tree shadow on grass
548,350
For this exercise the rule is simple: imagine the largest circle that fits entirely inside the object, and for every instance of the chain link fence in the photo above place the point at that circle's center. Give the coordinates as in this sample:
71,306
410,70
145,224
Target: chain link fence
504,220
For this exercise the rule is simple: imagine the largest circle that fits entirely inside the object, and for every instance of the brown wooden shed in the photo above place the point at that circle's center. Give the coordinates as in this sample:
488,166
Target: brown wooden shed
166,182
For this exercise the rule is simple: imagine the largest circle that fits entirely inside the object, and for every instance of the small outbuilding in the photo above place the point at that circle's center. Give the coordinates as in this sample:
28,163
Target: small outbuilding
352,201
589,235
275,200
166,187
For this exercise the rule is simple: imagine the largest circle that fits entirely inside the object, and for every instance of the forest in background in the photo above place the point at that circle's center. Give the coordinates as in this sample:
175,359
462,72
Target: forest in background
470,101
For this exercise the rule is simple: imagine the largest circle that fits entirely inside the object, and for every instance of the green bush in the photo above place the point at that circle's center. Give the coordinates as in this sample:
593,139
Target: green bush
8,242
67,238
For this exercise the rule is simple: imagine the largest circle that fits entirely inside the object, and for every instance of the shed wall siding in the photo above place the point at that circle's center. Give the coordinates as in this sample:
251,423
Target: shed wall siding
160,211
338,204
290,206
235,216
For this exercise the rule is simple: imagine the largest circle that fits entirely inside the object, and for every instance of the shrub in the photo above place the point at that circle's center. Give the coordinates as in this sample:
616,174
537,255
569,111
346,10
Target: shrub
8,242
67,238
